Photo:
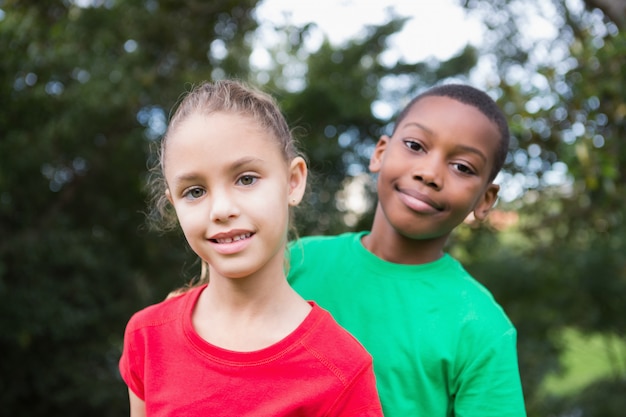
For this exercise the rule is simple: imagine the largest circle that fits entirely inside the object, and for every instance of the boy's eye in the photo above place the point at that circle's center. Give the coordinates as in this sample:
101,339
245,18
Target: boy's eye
193,193
247,180
464,169
413,145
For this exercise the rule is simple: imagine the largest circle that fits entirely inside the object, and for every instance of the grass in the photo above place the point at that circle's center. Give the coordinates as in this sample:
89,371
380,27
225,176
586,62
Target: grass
587,358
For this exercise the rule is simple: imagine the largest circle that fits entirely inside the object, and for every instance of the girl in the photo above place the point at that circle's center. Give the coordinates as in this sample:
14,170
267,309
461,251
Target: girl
244,344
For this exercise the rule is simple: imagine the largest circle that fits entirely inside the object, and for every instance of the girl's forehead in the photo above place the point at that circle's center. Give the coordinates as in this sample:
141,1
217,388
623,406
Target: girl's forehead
220,134
220,124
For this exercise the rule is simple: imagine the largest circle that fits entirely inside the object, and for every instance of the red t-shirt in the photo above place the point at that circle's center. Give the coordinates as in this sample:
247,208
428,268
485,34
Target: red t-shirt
317,370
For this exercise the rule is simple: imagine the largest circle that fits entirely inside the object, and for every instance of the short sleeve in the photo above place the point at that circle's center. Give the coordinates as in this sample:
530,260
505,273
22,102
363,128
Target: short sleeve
132,361
360,398
490,384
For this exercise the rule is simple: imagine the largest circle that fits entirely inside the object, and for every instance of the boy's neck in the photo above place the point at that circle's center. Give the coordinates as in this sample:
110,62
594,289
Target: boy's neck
387,244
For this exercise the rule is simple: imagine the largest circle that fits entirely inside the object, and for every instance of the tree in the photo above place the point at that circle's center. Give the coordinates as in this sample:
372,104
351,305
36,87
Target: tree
86,87
85,90
562,266
613,9
332,110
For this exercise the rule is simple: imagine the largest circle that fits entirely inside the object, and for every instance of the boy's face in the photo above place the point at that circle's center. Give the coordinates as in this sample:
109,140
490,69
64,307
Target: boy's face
435,168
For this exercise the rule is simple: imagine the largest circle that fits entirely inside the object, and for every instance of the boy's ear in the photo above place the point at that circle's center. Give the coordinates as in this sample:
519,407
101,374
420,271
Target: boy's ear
486,202
377,157
168,195
297,180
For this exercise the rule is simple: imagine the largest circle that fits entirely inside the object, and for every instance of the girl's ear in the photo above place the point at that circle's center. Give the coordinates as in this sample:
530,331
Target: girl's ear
168,195
486,202
297,180
376,160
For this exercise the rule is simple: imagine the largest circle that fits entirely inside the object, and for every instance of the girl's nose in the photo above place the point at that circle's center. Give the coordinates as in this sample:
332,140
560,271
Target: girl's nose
223,207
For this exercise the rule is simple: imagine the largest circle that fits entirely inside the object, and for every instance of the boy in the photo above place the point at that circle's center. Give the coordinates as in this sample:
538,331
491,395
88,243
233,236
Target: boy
441,345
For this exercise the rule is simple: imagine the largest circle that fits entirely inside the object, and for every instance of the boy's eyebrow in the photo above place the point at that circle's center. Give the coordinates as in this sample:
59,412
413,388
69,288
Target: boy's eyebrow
465,148
421,126
474,151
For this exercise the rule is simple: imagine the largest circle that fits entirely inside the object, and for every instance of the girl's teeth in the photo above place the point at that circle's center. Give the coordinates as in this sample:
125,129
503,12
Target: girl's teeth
234,239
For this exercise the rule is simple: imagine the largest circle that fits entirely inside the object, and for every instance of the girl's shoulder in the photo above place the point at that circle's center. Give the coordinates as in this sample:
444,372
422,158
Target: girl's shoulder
335,345
168,310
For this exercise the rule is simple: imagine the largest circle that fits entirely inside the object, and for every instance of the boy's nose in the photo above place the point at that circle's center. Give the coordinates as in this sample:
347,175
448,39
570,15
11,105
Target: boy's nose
223,207
427,174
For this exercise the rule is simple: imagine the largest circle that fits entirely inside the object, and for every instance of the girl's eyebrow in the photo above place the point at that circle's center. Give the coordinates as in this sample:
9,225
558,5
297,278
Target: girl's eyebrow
186,177
246,160
237,164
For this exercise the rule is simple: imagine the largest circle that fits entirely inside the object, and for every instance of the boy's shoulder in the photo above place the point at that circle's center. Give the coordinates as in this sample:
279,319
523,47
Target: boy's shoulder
322,251
326,239
473,299
324,242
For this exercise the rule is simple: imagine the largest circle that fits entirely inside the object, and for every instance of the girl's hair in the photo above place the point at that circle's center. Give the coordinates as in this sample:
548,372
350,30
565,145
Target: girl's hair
225,96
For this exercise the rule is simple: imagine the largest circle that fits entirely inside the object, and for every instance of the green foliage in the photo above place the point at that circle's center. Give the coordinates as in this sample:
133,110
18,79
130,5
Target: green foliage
83,91
600,399
86,91
588,358
333,111
562,265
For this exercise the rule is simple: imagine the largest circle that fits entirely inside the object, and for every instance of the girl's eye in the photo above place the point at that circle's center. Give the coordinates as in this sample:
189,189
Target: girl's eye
247,180
413,145
193,193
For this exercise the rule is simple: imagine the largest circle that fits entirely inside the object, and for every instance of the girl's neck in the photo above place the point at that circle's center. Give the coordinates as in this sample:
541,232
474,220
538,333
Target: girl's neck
246,296
248,314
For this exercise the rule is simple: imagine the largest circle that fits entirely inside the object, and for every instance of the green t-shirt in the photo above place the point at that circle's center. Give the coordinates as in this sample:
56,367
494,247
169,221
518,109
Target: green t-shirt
441,344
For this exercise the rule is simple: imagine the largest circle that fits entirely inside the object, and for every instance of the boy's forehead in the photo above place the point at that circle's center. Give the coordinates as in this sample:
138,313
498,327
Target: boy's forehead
429,107
437,103
438,115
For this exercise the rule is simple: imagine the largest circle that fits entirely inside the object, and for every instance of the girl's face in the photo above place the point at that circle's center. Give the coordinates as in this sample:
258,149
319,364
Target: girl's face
231,188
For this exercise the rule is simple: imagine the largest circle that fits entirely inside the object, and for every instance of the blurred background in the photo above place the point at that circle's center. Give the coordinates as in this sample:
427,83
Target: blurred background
86,89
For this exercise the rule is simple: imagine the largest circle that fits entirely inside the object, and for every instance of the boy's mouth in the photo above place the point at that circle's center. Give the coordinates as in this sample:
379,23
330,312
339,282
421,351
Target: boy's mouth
416,198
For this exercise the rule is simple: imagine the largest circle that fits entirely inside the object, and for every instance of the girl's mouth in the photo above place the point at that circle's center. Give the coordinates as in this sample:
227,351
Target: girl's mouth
232,239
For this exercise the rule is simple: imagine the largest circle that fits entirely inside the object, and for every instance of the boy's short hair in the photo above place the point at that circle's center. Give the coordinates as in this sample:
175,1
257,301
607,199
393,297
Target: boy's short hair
475,98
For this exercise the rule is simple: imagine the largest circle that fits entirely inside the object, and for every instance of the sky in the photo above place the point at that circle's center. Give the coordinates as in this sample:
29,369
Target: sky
435,28
438,29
